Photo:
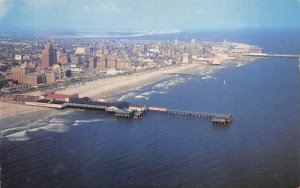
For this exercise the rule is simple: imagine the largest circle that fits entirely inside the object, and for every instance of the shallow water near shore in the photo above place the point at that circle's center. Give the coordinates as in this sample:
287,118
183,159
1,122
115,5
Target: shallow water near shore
259,149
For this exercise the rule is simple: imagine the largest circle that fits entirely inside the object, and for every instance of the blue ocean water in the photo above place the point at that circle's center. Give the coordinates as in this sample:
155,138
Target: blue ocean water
259,149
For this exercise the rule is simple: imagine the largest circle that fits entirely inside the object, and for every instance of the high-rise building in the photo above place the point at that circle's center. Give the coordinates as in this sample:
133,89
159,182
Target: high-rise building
123,63
49,56
62,58
186,58
112,61
18,74
92,63
75,60
50,77
102,62
58,71
82,50
106,51
34,79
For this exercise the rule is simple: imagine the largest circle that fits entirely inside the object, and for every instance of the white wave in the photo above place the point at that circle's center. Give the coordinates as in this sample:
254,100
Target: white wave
57,120
159,92
207,77
171,83
19,136
160,85
52,127
66,112
32,125
89,121
44,123
240,64
139,97
168,83
146,93
55,127
126,96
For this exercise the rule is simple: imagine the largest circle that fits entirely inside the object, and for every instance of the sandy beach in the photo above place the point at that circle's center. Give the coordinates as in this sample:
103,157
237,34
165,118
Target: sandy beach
17,119
10,110
14,115
115,85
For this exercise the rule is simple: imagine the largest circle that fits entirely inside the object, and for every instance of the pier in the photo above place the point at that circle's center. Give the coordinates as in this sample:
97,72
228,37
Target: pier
219,119
272,55
123,109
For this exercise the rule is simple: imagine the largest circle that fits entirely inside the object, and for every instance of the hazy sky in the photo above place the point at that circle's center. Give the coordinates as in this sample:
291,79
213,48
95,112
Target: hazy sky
147,15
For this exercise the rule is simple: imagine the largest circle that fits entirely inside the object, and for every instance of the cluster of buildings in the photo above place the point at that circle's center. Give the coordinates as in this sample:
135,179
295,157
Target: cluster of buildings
38,62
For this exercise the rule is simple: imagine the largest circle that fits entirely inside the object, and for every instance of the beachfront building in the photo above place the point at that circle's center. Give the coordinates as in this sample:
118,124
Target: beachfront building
49,56
186,58
34,79
50,77
92,63
59,97
18,73
16,88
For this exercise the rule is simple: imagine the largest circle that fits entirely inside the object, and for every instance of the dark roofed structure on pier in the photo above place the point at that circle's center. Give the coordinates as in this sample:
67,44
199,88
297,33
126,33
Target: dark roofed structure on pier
43,100
88,102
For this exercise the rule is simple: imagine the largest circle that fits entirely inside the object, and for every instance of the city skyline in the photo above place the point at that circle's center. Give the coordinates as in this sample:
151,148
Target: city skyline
152,15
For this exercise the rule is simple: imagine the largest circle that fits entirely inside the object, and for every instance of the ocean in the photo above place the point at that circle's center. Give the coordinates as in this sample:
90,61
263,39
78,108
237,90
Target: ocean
259,149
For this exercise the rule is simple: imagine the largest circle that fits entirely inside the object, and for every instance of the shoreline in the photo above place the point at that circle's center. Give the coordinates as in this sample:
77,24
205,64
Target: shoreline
12,114
17,115
116,85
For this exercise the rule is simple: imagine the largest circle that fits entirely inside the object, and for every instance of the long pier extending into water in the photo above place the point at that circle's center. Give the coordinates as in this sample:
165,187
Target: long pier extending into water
273,55
121,109
215,118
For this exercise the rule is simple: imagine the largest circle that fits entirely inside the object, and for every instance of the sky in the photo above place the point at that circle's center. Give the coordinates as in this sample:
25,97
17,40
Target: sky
147,15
